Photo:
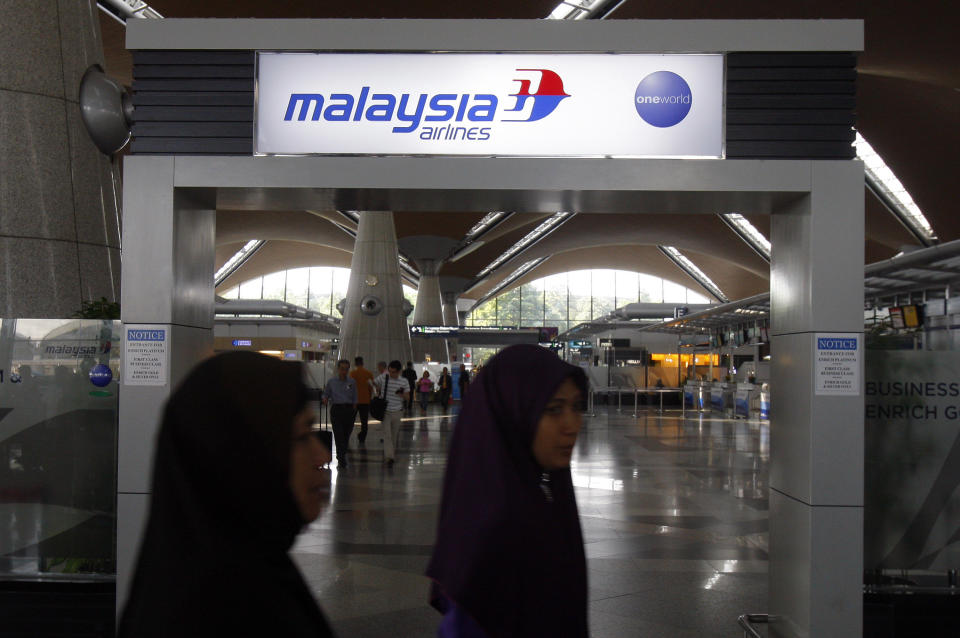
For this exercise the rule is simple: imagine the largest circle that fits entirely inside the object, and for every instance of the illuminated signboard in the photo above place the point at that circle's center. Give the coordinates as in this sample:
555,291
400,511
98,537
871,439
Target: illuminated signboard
434,331
504,104
615,343
242,342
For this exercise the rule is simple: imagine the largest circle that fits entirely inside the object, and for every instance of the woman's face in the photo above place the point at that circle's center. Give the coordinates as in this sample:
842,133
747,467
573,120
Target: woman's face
309,483
558,427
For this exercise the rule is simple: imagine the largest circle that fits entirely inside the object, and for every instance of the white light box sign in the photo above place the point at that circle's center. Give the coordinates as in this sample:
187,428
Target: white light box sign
489,104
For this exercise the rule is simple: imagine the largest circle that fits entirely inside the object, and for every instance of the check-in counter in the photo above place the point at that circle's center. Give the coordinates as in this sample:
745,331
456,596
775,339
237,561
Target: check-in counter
695,395
722,397
744,399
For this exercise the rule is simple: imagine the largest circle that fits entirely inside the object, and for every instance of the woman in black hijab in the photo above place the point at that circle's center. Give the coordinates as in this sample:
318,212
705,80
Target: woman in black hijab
236,476
509,559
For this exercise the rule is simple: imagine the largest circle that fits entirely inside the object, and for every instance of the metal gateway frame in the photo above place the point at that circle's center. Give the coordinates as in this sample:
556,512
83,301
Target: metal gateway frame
817,225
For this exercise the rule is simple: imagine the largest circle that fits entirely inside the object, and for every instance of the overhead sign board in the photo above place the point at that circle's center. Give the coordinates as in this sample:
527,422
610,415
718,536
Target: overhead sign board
434,331
503,104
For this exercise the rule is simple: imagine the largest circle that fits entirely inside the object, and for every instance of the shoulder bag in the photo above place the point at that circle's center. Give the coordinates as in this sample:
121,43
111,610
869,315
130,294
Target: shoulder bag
378,404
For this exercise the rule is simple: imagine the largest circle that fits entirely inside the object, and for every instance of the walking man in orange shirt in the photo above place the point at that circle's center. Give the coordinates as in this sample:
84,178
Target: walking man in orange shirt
364,380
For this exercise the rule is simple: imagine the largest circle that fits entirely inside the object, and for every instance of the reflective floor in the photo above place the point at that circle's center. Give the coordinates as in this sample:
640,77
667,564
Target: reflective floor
674,515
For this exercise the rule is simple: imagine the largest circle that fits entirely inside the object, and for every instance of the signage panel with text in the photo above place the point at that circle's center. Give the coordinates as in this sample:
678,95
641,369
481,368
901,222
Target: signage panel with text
505,104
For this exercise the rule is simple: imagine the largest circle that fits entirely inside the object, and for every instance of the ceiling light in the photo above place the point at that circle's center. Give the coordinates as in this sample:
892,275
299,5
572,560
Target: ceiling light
748,233
237,260
695,273
122,10
512,277
584,9
886,185
545,228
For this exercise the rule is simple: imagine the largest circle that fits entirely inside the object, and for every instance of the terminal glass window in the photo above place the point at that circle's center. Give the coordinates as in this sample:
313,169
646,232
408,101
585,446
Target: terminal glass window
318,288
674,293
579,296
604,292
555,299
508,308
320,296
298,287
531,303
650,288
252,289
410,294
566,299
275,286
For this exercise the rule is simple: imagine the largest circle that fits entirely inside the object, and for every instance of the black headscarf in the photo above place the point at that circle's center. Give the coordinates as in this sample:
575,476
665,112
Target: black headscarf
509,557
214,561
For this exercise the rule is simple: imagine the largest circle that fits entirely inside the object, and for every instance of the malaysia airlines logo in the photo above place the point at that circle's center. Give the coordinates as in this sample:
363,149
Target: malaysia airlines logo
545,101
440,116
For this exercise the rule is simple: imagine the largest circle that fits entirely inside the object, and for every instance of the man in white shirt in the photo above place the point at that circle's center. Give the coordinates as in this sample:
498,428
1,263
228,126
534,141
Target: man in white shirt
397,393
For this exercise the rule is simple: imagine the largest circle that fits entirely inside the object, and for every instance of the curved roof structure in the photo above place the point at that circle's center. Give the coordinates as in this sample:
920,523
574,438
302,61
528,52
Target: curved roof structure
907,107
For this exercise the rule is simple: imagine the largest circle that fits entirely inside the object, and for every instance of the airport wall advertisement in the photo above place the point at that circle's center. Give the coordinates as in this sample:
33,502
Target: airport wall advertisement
912,489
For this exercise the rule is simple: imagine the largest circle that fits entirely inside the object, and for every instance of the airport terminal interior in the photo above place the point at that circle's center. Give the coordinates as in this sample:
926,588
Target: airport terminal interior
752,264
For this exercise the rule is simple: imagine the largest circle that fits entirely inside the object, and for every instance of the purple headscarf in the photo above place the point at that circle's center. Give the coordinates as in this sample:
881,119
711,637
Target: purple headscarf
506,554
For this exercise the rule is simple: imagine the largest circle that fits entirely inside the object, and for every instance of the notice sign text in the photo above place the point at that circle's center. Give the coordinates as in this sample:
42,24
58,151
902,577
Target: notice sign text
146,351
837,360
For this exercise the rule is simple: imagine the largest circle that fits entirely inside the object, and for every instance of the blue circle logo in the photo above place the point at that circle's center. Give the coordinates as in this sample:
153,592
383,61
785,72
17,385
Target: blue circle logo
100,375
663,99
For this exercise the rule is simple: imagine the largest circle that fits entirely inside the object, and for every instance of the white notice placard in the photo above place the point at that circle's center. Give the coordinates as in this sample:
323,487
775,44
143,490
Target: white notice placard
837,363
483,104
146,352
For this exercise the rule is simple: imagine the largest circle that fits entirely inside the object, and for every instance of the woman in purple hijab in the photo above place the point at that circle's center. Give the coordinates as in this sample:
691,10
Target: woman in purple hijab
508,559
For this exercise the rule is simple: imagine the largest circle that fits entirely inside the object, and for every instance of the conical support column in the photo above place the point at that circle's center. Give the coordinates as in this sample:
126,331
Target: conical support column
450,289
374,326
428,312
429,253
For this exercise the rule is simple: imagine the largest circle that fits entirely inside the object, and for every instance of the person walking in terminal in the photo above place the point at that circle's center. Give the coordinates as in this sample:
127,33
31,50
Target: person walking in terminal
381,377
397,393
463,381
411,376
445,386
340,394
235,477
508,558
364,380
425,387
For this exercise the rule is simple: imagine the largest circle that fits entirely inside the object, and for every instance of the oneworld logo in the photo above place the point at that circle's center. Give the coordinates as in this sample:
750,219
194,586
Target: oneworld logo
435,116
663,99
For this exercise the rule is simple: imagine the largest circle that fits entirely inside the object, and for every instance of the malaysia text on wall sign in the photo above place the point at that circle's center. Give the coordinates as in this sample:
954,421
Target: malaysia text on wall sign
490,104
837,364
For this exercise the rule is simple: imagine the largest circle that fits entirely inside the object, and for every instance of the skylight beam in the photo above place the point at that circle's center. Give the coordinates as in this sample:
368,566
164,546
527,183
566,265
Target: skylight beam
882,181
237,260
691,269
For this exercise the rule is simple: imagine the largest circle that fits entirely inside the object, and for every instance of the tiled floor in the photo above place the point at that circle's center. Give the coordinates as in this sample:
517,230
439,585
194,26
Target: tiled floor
674,514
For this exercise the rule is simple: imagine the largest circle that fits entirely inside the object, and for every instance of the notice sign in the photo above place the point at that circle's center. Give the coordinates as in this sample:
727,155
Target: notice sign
503,104
146,351
837,364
